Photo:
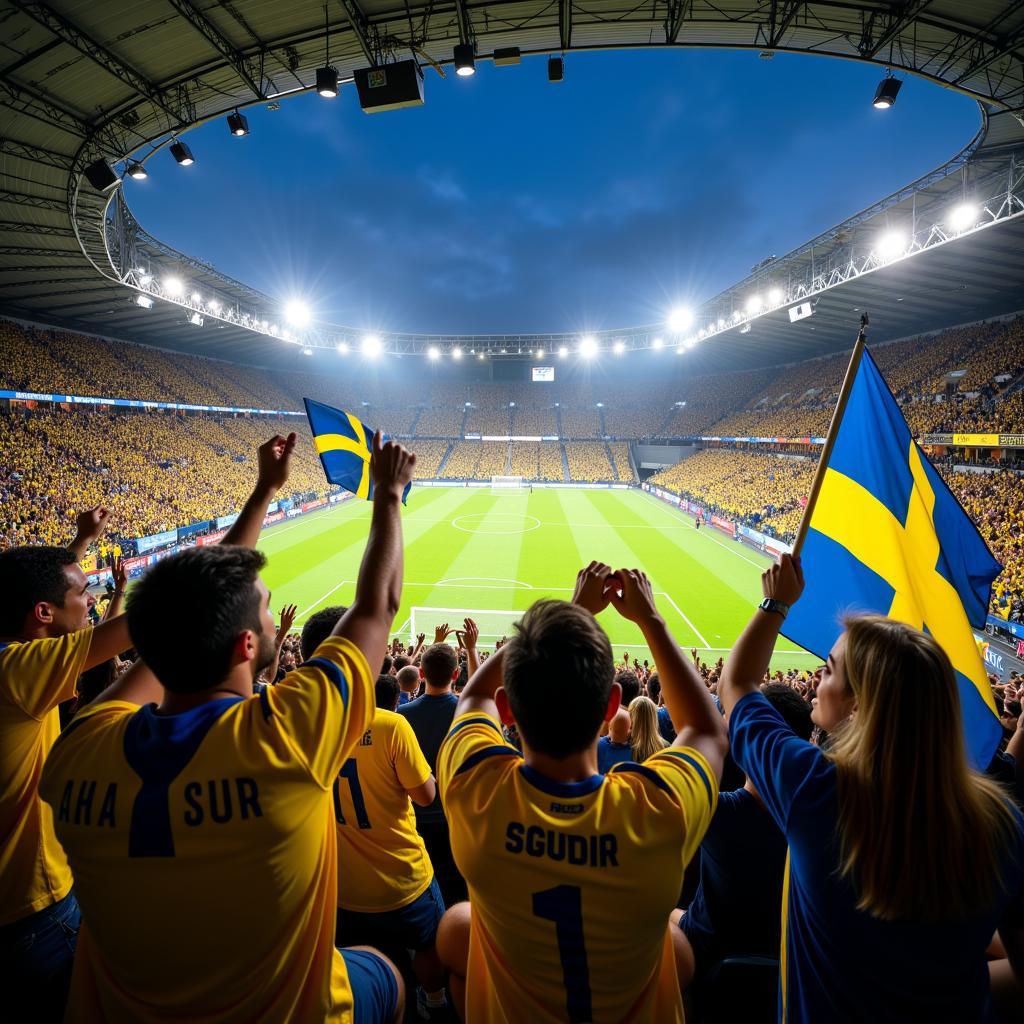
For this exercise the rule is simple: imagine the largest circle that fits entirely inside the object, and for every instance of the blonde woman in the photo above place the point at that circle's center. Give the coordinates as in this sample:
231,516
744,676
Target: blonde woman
902,860
644,736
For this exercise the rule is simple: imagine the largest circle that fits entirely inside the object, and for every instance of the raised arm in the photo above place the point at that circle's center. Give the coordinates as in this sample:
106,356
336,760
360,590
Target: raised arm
89,527
274,461
120,574
478,693
379,586
742,673
287,618
694,715
470,635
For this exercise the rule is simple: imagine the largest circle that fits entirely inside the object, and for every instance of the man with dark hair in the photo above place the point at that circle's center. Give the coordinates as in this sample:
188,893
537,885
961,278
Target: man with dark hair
431,717
46,642
213,805
554,852
386,665
629,684
742,861
409,683
386,692
665,727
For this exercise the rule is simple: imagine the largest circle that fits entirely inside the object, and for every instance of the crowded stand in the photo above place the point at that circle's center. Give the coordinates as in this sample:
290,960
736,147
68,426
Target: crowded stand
620,460
588,463
476,460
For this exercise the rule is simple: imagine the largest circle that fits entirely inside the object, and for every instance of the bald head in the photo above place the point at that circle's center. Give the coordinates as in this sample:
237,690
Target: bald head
618,727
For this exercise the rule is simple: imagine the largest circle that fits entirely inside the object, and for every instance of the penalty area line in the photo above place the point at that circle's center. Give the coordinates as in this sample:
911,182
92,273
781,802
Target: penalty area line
686,619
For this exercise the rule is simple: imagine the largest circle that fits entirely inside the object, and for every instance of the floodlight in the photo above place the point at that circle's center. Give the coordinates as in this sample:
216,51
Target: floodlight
432,352
196,320
144,301
556,69
371,345
886,93
658,343
775,296
563,352
181,153
618,348
588,347
680,320
753,303
214,305
890,245
963,216
307,351
481,356
540,353
342,348
296,312
680,350
196,297
465,60
101,176
327,82
137,171
456,352
145,279
173,286
238,124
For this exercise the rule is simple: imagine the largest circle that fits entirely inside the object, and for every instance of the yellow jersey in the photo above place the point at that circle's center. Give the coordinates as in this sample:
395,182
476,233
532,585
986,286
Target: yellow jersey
382,862
205,851
570,884
35,676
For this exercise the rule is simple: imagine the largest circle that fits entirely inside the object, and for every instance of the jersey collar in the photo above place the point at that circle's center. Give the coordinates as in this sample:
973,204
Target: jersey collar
554,788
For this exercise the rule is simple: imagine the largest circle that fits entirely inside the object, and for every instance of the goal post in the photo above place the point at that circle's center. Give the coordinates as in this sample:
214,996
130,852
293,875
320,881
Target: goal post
493,623
508,485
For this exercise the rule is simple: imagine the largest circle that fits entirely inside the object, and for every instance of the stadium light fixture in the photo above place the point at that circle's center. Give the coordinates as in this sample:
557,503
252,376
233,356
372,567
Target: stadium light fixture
540,353
556,69
101,176
658,343
371,346
886,93
754,303
588,347
238,124
144,301
433,353
173,286
563,352
963,216
214,305
890,245
775,296
327,82
456,352
342,348
618,348
680,319
137,171
307,351
196,297
181,153
465,60
481,356
296,312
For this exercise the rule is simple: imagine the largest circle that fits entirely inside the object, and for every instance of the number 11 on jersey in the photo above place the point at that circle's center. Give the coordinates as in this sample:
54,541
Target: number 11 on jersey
564,906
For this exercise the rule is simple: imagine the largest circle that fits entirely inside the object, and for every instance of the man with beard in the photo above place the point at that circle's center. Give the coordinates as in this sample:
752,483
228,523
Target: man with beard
199,826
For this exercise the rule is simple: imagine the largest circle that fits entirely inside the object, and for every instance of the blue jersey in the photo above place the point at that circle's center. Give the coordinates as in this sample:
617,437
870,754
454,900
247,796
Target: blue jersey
839,963
610,754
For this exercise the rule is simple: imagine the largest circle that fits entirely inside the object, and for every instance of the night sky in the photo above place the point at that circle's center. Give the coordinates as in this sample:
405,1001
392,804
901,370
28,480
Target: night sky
643,181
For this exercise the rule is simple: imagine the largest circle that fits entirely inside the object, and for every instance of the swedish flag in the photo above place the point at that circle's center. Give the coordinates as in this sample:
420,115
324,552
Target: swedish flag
887,535
344,445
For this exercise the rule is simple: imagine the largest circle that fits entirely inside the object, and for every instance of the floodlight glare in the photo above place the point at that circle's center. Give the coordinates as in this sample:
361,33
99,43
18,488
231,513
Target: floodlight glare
963,217
371,345
753,303
307,351
540,353
238,124
296,312
137,171
196,297
680,350
214,305
618,348
886,93
196,320
721,323
465,60
433,353
456,352
173,286
891,245
563,352
342,348
182,154
588,347
679,320
145,279
144,301
327,82
658,343
775,296
481,356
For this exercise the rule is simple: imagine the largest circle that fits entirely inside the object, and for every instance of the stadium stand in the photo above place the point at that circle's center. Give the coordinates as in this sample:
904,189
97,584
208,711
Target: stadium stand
588,462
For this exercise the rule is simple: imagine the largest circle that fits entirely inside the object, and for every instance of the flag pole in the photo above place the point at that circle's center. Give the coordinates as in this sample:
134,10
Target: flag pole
833,431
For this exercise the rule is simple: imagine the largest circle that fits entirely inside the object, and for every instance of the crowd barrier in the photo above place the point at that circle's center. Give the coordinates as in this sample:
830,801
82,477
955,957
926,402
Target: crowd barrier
137,403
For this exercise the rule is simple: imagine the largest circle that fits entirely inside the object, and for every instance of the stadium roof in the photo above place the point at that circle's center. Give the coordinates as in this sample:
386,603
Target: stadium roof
83,81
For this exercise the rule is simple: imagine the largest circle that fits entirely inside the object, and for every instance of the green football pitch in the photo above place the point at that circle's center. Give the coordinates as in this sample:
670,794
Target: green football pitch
489,556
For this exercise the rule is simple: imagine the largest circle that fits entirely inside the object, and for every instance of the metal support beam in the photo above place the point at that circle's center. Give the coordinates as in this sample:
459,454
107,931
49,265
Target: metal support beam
223,46
361,27
38,105
76,38
36,154
565,23
466,33
36,229
39,202
897,22
678,12
781,18
28,250
1004,49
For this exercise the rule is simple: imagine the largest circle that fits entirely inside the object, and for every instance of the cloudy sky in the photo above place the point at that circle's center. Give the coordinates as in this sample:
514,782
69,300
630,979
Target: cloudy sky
644,180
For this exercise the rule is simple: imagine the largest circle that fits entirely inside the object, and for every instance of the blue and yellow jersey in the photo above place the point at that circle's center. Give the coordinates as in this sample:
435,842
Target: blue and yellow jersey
35,676
382,862
571,885
205,852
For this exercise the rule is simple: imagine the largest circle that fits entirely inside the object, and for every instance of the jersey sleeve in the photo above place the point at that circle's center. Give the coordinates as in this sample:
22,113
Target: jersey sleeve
323,707
474,738
686,774
778,762
410,765
37,675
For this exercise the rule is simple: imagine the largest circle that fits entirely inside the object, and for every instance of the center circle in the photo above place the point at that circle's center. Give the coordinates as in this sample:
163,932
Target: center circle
507,522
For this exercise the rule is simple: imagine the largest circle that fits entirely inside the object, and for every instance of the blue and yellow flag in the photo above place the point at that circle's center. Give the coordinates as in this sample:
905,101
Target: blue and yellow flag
887,535
344,446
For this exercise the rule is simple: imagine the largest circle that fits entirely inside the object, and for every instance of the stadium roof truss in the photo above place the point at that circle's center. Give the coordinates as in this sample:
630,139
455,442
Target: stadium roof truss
116,81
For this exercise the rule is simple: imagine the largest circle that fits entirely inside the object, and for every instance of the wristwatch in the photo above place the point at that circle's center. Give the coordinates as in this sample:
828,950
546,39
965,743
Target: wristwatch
769,604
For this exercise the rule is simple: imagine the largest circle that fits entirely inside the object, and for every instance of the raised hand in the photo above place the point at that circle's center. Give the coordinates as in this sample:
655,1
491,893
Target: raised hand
91,523
592,586
287,618
784,581
633,599
391,465
442,632
274,460
119,572
470,634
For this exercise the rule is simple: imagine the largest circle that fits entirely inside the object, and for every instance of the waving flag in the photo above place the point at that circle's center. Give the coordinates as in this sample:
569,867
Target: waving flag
344,446
887,535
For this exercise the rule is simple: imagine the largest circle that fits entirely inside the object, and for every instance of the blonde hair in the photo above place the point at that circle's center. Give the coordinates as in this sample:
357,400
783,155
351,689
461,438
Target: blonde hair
921,835
643,732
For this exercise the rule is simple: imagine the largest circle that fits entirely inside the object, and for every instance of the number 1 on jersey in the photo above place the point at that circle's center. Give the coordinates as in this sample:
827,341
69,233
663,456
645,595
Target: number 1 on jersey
350,771
564,905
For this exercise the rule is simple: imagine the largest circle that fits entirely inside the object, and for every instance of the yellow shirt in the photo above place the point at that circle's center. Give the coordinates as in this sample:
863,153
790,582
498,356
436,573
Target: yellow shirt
205,851
35,676
382,862
571,885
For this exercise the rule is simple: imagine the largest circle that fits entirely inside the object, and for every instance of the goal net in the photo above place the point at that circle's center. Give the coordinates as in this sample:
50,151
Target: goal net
507,485
493,624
